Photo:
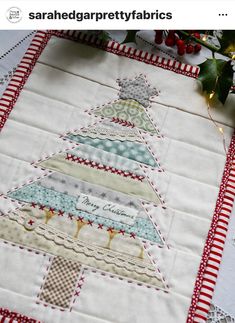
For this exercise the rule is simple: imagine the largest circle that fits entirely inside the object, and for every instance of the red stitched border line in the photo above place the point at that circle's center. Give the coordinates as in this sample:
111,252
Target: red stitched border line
21,75
121,278
14,316
130,52
213,250
110,169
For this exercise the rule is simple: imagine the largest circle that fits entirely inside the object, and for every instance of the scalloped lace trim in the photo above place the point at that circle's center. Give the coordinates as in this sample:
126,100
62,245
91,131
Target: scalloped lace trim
131,264
111,134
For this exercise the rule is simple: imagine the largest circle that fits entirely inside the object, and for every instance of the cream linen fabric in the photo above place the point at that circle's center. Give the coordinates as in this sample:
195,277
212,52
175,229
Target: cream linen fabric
69,79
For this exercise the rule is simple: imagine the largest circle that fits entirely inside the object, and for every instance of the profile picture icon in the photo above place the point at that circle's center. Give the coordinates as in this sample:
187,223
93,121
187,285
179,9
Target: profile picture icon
14,14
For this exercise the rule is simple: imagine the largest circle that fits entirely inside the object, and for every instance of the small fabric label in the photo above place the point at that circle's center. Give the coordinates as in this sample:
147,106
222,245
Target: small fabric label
113,211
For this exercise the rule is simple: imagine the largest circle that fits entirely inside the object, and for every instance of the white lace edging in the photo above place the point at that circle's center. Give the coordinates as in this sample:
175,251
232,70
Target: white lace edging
217,315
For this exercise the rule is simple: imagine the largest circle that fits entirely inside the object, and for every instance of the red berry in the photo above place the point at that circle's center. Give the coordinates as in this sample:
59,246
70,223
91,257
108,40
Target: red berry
189,49
158,36
170,41
197,48
180,43
197,35
181,51
171,33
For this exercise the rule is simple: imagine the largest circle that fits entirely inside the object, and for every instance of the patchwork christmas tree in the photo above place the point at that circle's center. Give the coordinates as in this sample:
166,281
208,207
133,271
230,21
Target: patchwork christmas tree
92,202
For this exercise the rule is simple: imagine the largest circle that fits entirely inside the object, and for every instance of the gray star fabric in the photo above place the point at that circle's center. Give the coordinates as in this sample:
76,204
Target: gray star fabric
136,89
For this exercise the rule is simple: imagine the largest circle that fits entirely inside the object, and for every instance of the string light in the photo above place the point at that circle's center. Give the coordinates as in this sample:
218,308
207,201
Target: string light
204,37
211,95
233,57
220,129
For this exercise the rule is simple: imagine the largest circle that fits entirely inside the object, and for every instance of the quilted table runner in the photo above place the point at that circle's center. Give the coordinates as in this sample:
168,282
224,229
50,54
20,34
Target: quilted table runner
115,186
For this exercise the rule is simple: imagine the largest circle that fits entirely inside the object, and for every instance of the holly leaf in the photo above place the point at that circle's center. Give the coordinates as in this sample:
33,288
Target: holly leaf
206,32
216,76
130,37
104,36
227,42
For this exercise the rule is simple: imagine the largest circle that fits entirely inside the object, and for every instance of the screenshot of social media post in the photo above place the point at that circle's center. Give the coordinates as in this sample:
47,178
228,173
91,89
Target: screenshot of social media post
117,161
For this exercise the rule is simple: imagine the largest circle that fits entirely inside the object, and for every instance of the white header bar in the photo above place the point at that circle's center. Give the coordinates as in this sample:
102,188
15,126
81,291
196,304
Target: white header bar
111,14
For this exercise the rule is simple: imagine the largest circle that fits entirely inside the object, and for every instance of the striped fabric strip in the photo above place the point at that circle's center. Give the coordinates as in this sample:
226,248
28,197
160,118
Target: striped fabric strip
213,250
124,50
10,316
21,74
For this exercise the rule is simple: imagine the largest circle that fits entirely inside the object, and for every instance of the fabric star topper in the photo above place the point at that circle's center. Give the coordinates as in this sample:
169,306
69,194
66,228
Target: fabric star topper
137,89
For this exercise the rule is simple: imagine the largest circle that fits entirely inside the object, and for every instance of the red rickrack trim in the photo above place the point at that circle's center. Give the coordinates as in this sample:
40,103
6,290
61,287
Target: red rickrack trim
21,75
20,318
130,52
123,122
98,166
213,250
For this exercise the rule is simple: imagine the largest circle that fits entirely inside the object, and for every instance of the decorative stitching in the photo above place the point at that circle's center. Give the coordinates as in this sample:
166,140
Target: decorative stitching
154,45
50,306
57,288
57,152
128,149
141,228
152,184
47,173
150,150
16,45
7,76
213,250
127,112
82,277
80,282
121,264
45,275
36,252
21,204
98,166
77,130
153,221
68,140
124,123
154,261
129,281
